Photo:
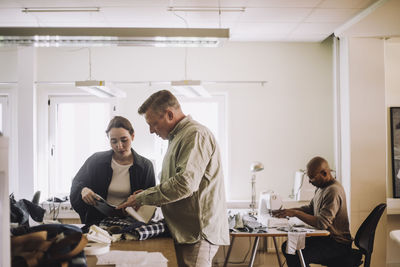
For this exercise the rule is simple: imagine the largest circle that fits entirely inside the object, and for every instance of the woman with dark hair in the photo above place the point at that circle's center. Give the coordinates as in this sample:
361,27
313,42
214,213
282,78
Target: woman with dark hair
114,174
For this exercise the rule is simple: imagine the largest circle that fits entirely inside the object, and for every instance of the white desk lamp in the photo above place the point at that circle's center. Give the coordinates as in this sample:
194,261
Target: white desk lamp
254,167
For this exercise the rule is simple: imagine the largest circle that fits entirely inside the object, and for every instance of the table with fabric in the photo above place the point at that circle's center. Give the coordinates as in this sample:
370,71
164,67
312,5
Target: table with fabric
165,245
273,233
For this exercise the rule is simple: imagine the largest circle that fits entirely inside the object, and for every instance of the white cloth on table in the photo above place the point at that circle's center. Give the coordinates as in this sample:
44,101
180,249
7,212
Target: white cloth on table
296,241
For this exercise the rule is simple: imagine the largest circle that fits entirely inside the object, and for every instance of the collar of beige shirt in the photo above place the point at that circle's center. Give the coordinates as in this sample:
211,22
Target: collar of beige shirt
180,125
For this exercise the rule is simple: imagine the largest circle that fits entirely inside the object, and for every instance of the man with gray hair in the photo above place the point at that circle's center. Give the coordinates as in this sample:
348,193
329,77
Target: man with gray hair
191,193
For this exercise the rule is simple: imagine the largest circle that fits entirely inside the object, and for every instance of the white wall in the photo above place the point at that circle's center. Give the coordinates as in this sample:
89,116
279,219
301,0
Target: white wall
392,79
282,124
367,136
8,74
374,85
4,204
8,64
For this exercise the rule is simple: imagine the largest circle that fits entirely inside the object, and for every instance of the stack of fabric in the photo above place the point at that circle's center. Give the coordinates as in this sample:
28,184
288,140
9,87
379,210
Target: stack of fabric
130,229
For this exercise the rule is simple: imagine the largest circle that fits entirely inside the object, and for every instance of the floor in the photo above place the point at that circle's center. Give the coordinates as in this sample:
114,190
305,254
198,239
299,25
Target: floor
262,259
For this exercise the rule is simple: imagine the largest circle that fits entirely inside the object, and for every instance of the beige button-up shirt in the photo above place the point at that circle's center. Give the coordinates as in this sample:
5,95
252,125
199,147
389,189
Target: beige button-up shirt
191,193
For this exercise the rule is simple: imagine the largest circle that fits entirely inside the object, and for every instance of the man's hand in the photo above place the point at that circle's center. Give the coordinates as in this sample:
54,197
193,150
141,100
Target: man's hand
284,213
131,201
89,197
307,218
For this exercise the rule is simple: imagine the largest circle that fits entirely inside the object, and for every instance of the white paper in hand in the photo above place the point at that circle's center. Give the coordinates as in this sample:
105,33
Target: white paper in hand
144,214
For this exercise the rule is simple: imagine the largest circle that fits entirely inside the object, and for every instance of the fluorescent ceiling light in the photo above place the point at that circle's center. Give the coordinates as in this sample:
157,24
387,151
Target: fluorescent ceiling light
60,9
100,88
206,9
190,88
159,37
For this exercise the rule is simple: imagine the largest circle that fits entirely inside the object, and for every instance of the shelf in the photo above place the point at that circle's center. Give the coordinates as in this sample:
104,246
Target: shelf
393,206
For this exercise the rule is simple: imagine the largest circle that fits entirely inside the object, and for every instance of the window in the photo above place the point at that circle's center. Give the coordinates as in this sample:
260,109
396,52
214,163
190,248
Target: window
3,115
209,112
76,130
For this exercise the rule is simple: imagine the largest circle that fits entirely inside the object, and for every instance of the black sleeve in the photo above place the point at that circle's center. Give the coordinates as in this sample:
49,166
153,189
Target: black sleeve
82,179
144,178
149,174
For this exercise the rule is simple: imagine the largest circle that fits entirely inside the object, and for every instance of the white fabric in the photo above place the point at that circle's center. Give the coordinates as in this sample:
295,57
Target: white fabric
98,235
120,186
96,249
296,241
395,235
132,258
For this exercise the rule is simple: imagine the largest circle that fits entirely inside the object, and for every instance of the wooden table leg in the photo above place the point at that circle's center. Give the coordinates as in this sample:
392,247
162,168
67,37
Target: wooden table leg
229,251
253,253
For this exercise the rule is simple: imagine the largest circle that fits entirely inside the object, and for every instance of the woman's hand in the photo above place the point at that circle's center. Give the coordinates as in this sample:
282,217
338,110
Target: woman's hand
131,201
89,197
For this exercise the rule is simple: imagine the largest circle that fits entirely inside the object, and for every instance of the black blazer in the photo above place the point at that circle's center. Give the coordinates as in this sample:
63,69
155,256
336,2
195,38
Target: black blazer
96,174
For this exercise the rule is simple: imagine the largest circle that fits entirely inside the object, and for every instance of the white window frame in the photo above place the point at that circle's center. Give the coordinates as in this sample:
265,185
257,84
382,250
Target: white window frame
5,115
223,138
52,123
10,127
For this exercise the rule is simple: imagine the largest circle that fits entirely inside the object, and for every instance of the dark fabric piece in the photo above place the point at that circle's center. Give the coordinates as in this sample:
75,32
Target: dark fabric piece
96,174
21,209
17,214
127,225
78,261
64,238
320,250
54,230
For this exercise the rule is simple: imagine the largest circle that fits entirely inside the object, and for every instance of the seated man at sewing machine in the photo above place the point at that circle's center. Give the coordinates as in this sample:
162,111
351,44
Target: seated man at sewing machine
327,210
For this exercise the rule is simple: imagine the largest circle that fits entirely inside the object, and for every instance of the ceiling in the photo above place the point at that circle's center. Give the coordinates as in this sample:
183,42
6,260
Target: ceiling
262,20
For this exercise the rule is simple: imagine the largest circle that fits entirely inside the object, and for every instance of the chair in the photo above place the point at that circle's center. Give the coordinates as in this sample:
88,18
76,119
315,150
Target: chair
365,236
364,241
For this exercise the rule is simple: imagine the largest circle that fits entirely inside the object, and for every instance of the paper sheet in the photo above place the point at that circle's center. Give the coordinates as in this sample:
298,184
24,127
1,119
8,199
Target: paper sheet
122,257
132,258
